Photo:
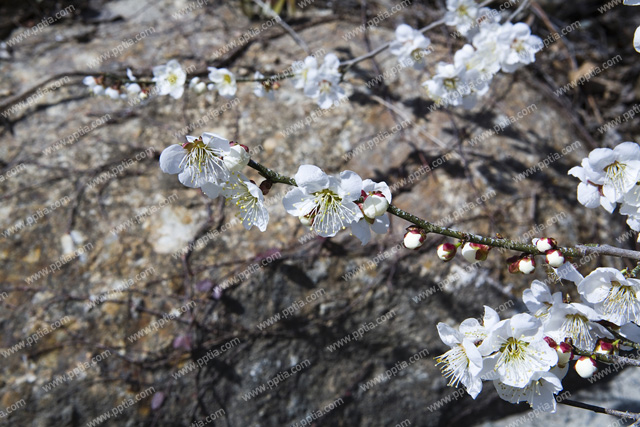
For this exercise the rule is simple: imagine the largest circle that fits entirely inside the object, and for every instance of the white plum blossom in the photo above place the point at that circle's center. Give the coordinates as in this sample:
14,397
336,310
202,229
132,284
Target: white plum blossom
461,14
263,89
588,193
462,364
323,83
301,71
95,88
607,175
455,85
410,46
516,350
539,299
614,297
518,46
249,198
488,48
170,79
223,81
471,59
539,392
372,213
575,321
198,161
476,332
327,201
132,88
112,93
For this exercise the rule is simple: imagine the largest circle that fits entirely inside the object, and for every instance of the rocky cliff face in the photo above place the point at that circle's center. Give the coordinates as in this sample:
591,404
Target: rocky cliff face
108,281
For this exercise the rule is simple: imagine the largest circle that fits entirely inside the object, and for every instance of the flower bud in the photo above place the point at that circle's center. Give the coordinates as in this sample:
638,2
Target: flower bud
554,258
112,93
527,265
446,251
473,252
564,354
375,205
414,237
605,347
586,367
265,186
237,158
197,86
545,244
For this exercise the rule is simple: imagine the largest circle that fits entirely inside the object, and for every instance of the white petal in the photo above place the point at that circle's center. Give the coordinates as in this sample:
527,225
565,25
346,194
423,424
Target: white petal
350,185
211,189
381,224
311,178
170,159
296,202
448,335
361,230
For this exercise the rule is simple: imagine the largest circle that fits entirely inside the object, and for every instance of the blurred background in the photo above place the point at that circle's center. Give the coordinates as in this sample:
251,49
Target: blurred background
124,292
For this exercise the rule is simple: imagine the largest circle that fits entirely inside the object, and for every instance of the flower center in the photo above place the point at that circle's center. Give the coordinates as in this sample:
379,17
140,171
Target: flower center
577,327
330,215
325,86
615,174
450,83
417,55
227,79
201,159
173,79
622,302
512,350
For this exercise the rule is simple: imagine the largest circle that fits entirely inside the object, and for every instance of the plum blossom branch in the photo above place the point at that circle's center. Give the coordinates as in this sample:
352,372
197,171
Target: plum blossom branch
577,251
601,410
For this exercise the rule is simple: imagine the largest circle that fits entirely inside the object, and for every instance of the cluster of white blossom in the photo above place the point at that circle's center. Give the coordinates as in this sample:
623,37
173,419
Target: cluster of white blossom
636,37
213,164
611,176
493,47
320,83
527,356
326,204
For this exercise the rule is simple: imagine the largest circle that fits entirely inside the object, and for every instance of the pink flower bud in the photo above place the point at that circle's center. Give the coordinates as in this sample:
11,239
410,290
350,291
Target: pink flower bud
554,258
545,244
605,347
473,252
524,264
513,262
446,251
586,367
527,265
414,237
564,354
375,205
